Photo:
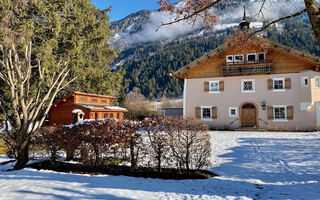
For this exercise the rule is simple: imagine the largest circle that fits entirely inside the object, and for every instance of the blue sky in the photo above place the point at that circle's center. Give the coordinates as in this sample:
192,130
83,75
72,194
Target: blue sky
122,8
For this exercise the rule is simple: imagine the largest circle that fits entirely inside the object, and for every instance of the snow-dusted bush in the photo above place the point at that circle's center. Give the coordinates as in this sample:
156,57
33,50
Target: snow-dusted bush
157,142
189,142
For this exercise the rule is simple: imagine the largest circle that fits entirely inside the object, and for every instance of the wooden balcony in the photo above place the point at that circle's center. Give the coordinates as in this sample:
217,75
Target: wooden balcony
245,68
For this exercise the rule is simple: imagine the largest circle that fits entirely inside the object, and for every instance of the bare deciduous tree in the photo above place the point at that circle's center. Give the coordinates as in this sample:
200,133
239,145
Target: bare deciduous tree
199,9
32,91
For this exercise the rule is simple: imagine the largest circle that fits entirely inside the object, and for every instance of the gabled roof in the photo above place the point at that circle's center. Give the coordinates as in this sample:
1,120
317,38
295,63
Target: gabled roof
180,74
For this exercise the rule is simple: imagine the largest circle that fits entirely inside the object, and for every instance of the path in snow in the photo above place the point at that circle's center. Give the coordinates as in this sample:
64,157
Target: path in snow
252,166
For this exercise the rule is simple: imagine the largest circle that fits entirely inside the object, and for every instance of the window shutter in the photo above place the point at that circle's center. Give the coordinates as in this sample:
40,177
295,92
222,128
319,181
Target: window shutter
198,112
290,112
270,84
221,85
214,112
270,112
288,83
206,86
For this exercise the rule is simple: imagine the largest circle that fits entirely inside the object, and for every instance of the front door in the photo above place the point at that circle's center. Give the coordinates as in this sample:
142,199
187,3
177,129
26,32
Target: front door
248,115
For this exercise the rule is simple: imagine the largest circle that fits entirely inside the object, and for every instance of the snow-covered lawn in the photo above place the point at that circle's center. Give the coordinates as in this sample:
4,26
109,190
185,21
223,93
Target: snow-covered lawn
263,165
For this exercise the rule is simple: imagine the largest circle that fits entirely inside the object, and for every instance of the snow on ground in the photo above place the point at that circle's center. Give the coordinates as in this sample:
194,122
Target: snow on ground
262,165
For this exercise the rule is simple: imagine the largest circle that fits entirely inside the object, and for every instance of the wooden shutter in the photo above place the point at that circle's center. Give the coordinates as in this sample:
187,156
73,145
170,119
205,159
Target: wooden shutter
214,112
290,112
270,112
287,83
198,112
221,85
206,86
270,84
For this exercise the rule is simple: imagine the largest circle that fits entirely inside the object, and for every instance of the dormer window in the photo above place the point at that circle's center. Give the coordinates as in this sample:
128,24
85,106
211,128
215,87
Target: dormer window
239,58
229,59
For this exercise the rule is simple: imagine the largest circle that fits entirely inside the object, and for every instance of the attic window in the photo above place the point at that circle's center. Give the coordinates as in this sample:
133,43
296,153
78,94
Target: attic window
94,100
238,58
229,59
261,56
83,99
251,57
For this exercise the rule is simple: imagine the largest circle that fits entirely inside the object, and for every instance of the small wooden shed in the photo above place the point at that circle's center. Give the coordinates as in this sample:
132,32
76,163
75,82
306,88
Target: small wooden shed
92,105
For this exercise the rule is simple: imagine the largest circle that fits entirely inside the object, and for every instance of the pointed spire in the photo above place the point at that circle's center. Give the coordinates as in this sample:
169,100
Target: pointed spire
245,23
244,14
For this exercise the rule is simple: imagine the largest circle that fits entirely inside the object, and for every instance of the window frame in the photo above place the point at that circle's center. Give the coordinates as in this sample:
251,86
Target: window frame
303,81
206,107
250,54
253,86
315,82
285,113
229,61
283,84
264,56
236,112
234,58
216,81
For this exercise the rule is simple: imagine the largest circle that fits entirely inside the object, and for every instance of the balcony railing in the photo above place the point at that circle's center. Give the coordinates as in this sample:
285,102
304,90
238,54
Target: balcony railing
251,67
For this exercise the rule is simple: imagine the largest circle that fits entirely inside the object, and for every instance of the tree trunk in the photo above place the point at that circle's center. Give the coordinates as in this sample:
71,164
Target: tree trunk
314,17
22,157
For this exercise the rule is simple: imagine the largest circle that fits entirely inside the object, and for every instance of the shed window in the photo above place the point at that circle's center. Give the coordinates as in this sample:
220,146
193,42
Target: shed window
83,99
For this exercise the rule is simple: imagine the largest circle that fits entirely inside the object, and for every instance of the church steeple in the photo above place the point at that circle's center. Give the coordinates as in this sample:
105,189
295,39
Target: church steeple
244,25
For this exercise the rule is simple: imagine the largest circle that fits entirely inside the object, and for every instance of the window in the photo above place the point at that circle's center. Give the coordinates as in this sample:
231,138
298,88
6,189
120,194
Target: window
251,57
111,115
248,85
106,115
94,100
118,115
83,99
278,84
206,112
238,58
214,86
280,112
103,101
233,112
304,82
229,58
261,56
317,81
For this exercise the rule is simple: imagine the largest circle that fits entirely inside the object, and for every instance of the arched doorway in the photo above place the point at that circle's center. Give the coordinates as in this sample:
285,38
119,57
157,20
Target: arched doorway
248,115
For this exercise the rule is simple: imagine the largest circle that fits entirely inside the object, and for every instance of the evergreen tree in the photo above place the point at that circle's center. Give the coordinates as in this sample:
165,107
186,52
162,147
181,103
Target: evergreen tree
73,31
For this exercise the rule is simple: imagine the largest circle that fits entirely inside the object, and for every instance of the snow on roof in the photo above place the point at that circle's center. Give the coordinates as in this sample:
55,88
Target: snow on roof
102,107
